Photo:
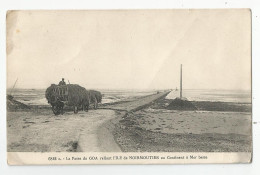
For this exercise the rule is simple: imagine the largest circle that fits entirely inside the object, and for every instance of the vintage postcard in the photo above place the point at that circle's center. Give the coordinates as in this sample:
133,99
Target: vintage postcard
129,86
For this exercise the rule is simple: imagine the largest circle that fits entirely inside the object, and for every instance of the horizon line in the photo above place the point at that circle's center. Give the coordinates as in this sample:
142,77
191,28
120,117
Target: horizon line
145,88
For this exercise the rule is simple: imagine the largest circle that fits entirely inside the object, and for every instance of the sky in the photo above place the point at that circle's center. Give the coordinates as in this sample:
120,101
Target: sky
130,49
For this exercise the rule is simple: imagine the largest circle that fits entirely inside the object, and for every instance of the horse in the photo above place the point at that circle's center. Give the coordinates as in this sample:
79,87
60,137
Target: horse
95,97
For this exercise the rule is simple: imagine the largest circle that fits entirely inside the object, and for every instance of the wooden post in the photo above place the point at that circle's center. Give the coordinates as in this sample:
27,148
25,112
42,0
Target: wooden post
181,83
13,87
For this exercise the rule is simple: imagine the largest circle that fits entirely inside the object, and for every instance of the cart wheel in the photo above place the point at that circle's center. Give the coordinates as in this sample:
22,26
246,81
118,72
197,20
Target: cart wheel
86,108
55,110
75,110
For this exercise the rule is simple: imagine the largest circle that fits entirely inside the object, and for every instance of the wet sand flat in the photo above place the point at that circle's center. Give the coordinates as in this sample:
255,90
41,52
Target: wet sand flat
195,122
161,130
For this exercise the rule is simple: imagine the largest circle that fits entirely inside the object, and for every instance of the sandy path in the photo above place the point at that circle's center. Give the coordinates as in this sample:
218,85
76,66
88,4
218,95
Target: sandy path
29,131
136,104
89,141
96,137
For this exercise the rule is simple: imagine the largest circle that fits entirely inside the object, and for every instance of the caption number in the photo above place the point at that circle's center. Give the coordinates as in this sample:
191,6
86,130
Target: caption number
52,158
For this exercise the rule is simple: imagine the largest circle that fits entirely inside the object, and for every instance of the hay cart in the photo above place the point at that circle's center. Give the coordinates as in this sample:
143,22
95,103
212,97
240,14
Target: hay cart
71,95
62,92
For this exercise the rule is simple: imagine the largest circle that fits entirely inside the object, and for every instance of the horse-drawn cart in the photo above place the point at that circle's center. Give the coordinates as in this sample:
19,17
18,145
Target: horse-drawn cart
71,95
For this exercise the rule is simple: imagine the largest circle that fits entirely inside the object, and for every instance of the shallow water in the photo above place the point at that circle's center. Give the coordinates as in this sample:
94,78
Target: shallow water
239,96
37,96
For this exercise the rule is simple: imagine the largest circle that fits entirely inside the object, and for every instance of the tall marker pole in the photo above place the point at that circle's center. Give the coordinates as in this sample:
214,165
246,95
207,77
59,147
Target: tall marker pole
181,83
13,86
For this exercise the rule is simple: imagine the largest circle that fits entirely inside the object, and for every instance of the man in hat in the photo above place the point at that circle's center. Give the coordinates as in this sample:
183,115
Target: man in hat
62,82
62,91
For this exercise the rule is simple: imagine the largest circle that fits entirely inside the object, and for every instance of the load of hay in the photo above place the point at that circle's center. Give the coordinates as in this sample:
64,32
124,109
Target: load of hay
181,104
95,97
70,95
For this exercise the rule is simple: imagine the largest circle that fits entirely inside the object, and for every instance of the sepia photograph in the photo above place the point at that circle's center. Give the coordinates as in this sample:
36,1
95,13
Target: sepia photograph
148,85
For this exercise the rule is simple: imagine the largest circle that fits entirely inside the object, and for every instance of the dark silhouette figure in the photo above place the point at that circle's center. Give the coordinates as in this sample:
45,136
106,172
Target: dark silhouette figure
62,82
